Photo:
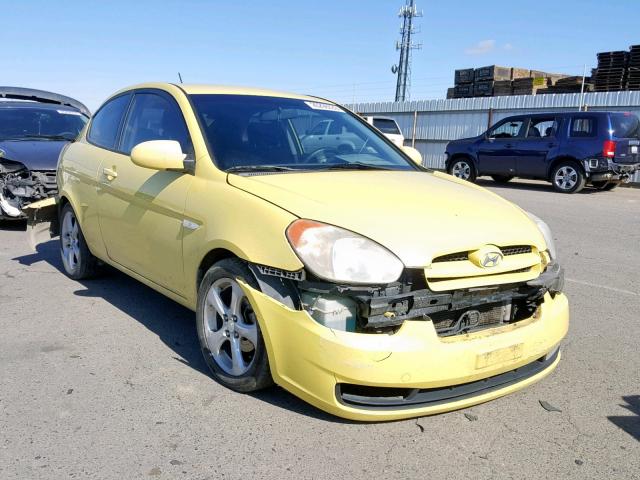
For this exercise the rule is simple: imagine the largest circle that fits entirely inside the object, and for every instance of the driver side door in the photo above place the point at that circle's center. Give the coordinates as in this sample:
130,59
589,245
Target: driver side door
496,150
140,209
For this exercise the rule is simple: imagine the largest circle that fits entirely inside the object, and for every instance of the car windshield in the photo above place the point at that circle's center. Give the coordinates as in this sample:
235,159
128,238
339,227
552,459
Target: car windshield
32,123
248,133
625,125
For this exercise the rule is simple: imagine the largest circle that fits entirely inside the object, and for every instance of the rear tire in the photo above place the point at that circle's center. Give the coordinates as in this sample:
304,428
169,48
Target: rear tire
502,178
78,262
567,177
463,169
605,186
228,330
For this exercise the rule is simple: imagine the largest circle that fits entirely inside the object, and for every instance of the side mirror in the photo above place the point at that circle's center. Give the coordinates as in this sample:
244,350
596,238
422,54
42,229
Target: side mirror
413,154
159,155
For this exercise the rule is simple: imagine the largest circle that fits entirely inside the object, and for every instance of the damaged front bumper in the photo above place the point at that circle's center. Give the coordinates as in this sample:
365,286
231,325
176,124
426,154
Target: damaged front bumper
20,187
330,368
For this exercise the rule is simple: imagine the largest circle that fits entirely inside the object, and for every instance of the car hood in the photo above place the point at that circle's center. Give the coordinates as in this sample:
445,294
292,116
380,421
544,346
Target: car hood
416,215
34,154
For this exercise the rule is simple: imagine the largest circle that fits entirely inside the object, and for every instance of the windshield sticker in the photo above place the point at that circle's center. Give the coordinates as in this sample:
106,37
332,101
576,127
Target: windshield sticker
69,112
324,106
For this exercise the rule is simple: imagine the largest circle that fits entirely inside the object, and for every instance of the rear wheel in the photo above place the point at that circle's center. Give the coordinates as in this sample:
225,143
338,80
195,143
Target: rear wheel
463,169
502,178
605,186
78,261
228,330
567,177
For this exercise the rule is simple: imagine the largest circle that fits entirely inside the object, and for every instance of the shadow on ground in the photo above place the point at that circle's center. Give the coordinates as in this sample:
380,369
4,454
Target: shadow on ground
533,186
172,323
629,423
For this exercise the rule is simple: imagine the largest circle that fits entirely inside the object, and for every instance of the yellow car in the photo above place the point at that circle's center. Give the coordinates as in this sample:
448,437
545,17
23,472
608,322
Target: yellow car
336,267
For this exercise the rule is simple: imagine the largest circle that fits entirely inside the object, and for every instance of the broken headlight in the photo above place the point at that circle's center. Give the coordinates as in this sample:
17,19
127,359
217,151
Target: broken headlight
338,255
546,233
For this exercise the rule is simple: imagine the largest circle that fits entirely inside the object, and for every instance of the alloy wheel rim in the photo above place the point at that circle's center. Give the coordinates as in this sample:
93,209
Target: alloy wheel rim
566,178
230,327
462,170
70,239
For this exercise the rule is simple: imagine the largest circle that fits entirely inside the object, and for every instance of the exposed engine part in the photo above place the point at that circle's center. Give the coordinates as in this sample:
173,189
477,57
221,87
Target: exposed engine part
19,187
334,311
385,308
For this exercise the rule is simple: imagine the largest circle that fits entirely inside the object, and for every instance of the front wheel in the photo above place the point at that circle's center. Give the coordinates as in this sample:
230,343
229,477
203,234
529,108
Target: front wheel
463,169
605,186
567,177
228,330
78,262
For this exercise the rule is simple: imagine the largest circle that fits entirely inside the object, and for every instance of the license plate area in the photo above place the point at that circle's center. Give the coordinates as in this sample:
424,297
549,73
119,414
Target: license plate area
498,356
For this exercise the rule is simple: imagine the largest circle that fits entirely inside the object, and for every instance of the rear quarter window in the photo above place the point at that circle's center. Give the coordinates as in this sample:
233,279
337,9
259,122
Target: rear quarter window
582,127
386,125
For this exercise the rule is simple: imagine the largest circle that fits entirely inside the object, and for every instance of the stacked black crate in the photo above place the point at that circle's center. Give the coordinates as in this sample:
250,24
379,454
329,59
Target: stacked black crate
486,77
633,75
463,83
612,71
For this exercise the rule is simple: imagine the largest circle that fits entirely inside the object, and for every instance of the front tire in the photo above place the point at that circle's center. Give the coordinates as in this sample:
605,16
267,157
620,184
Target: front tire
567,177
78,262
463,169
228,329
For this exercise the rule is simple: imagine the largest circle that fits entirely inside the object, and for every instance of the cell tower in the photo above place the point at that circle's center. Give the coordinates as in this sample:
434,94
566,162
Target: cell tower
407,12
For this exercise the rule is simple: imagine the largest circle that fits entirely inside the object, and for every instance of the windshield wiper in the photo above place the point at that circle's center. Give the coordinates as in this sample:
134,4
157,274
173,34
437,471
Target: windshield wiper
47,137
355,166
259,168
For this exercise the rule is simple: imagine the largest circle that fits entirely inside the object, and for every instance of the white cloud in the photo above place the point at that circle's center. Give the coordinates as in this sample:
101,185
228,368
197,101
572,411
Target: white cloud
481,48
507,46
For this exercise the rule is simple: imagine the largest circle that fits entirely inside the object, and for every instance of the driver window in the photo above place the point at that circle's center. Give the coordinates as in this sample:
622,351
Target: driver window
506,130
153,117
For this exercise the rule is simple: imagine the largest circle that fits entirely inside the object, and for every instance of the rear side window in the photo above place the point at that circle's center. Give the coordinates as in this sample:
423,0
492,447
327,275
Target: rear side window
625,125
106,122
386,125
153,117
583,127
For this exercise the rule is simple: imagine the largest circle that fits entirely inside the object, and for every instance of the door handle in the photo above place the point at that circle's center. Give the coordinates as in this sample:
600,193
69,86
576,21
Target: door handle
508,145
551,144
109,173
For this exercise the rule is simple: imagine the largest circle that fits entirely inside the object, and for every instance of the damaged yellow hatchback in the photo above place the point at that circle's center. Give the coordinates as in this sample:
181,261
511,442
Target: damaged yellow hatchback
316,253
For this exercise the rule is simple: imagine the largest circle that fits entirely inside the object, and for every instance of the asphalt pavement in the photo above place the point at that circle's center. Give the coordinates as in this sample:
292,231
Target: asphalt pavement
104,379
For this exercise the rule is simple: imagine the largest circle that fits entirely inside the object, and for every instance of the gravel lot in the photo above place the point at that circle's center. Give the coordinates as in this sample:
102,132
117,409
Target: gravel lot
104,379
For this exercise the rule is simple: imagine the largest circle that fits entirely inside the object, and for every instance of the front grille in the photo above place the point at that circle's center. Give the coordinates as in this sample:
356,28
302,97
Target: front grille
380,398
516,250
462,256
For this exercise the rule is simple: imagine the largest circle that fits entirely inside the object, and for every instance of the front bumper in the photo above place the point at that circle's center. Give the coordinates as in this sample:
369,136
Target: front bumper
311,361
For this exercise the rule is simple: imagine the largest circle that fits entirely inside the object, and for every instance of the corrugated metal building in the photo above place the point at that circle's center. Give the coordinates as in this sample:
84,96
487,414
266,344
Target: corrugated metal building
433,123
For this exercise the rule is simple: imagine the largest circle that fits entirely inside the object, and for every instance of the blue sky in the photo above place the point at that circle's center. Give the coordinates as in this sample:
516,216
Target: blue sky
337,49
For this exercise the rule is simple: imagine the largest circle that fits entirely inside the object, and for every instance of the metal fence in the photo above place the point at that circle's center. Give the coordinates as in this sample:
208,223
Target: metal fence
430,124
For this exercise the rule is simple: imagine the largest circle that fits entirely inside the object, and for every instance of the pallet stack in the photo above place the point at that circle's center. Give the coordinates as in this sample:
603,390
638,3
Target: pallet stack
633,75
495,80
611,74
567,85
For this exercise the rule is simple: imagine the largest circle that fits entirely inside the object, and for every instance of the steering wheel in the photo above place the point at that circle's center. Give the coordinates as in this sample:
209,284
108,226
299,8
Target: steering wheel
321,155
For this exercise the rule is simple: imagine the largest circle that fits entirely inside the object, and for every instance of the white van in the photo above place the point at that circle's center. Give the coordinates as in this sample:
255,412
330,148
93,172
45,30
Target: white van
388,127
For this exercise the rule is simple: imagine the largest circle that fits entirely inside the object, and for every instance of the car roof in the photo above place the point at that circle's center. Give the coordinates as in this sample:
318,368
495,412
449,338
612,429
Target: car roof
204,89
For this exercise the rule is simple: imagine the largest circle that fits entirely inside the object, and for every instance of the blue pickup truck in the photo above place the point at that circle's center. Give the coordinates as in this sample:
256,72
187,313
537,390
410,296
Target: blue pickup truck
569,149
